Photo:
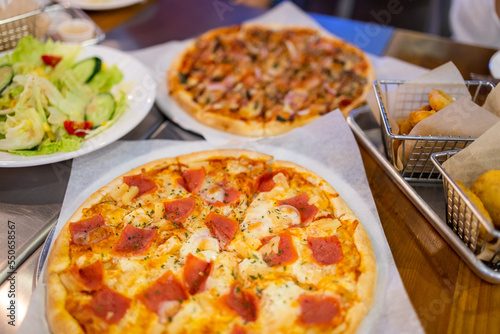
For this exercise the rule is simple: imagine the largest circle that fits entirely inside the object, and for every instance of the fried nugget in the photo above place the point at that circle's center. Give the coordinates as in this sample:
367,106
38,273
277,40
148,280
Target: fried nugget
404,127
418,115
487,188
439,99
480,206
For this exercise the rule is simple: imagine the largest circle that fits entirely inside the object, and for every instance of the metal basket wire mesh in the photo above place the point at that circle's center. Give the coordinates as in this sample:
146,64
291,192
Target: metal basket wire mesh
411,154
465,219
17,27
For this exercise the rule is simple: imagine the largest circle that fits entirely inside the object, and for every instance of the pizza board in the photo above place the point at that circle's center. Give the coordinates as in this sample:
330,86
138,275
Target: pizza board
339,163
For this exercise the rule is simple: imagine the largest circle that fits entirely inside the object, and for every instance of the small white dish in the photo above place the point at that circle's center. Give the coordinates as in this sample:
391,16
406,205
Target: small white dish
76,30
494,65
56,19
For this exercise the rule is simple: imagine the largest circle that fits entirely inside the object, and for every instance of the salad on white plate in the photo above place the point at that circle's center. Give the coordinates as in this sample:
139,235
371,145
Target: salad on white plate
50,102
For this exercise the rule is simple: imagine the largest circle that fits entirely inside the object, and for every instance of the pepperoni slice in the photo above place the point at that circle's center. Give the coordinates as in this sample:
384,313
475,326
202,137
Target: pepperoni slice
141,181
109,305
244,303
237,329
326,250
265,182
177,210
286,251
192,179
230,194
91,277
307,212
134,241
195,273
88,231
166,288
317,309
221,227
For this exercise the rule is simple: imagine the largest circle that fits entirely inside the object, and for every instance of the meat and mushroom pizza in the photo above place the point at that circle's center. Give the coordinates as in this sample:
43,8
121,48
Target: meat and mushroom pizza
226,241
258,80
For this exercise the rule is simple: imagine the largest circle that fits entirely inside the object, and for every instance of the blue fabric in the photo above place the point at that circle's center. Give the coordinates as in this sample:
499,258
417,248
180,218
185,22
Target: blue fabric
369,37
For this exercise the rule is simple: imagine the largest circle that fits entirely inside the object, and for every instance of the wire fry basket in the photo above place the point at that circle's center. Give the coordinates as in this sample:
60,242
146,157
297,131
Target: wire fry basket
478,235
413,161
17,27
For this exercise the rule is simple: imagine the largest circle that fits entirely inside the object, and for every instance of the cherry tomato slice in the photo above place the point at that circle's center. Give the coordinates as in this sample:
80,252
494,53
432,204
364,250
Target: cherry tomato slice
79,129
51,60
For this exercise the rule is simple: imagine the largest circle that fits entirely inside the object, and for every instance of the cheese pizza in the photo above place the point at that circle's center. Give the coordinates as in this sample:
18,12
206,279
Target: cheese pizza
258,80
225,241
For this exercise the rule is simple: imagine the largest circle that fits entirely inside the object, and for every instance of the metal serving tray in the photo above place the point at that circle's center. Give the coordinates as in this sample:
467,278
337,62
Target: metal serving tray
427,197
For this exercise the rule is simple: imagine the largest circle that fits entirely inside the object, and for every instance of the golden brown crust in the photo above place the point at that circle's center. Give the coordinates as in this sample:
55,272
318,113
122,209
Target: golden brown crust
61,321
224,153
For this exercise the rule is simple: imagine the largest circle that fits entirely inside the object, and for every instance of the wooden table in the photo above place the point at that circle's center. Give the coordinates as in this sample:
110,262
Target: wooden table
446,294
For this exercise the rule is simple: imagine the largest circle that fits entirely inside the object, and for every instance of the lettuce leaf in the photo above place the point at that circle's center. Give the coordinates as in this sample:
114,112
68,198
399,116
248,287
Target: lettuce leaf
105,79
66,143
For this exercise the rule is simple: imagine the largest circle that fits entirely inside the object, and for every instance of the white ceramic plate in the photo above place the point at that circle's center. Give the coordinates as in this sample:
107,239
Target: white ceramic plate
103,4
495,65
140,96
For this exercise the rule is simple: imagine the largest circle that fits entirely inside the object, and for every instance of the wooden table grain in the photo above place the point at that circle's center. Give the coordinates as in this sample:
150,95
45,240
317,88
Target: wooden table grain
447,296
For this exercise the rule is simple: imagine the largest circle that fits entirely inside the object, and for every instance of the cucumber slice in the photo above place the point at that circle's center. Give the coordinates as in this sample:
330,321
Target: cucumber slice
6,76
86,69
100,109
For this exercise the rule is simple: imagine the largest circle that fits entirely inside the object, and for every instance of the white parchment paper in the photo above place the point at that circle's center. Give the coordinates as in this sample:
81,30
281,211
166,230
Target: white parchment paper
326,146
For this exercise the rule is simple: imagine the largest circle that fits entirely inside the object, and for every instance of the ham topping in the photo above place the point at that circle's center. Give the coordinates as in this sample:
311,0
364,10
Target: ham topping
221,227
141,181
109,305
316,309
89,231
177,210
244,303
134,241
91,277
166,289
307,212
237,329
281,255
192,179
195,273
265,182
326,250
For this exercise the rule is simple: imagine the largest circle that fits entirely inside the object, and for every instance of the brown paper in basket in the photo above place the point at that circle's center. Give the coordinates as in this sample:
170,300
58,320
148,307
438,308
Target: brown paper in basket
463,118
469,164
492,103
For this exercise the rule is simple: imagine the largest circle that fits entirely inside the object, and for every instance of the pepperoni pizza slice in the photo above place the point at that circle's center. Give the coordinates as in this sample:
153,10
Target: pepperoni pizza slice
224,241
